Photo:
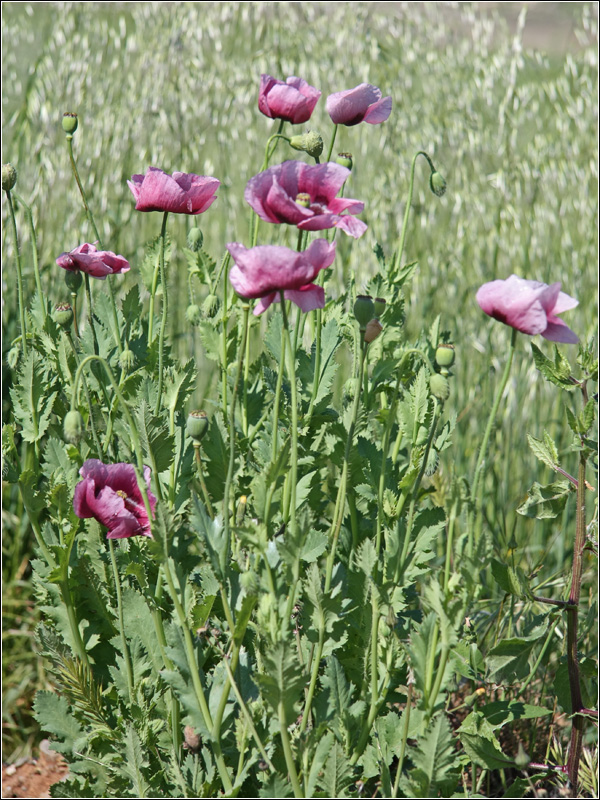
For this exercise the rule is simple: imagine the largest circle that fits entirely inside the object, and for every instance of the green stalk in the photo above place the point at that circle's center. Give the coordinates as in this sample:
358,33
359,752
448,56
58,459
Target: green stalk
126,654
165,311
87,395
34,253
291,370
21,300
205,495
287,751
331,143
404,739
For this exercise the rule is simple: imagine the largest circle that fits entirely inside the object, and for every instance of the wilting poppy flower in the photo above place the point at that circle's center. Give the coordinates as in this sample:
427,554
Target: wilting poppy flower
305,195
264,271
529,306
364,103
97,263
181,193
110,494
293,101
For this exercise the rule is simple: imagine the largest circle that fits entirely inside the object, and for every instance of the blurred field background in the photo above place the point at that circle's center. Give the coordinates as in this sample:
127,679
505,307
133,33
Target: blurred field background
503,99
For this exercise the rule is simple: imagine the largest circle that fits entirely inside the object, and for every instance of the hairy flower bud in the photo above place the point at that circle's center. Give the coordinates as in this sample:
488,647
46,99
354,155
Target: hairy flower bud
249,583
195,239
73,280
437,184
127,360
364,310
310,143
210,306
9,177
73,427
193,314
197,425
69,123
444,355
344,160
63,315
439,386
373,330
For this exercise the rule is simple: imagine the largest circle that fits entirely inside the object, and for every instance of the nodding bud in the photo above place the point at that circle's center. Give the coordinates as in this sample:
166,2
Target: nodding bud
69,123
444,356
73,280
63,315
193,742
437,183
249,583
373,330
522,759
439,386
379,304
127,360
197,425
73,427
344,160
240,511
364,310
210,306
310,143
195,239
193,314
9,177
303,199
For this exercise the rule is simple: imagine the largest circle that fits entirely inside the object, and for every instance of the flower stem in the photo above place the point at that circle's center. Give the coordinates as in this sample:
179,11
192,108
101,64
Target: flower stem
125,646
400,251
287,751
165,311
291,370
34,254
331,143
13,220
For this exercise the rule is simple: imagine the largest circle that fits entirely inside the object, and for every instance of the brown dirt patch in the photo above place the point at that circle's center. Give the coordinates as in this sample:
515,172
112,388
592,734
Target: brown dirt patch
33,778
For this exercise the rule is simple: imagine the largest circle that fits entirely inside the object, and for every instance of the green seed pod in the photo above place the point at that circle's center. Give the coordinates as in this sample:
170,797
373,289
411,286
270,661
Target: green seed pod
437,184
127,360
344,160
9,177
73,280
303,199
69,123
195,239
193,314
364,310
197,425
445,355
439,386
379,305
63,315
310,143
73,427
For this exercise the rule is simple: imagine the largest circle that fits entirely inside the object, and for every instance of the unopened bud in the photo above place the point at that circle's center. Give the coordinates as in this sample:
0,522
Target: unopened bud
344,160
69,123
303,199
437,184
444,355
193,314
63,315
364,310
310,143
9,177
73,280
195,239
249,583
73,427
522,759
210,306
439,386
240,511
379,304
373,330
197,425
127,360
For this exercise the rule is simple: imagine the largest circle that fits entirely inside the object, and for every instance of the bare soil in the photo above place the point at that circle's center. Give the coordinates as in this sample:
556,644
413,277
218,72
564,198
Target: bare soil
33,778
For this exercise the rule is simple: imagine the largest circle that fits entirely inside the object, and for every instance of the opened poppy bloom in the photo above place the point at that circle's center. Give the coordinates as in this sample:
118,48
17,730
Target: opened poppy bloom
265,271
181,193
529,306
305,195
97,263
293,101
110,494
364,103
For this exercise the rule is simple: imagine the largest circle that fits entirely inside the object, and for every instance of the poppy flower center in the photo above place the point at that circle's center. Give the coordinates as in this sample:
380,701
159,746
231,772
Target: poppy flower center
303,199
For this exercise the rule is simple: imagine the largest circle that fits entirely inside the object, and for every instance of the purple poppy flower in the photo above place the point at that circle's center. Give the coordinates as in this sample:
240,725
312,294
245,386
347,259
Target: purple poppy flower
364,103
529,306
305,195
110,494
181,193
97,263
264,271
293,101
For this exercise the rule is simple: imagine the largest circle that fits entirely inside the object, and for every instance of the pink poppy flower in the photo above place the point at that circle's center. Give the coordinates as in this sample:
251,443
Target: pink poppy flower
529,306
97,263
110,494
364,103
181,193
264,271
305,195
293,101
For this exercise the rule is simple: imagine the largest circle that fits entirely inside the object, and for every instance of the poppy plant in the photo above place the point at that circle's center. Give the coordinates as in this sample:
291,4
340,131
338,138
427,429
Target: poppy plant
265,271
293,101
97,263
529,306
364,103
181,193
305,195
110,494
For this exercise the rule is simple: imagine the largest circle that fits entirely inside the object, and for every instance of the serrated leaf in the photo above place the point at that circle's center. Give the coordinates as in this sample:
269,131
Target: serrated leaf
502,712
512,581
282,679
435,771
320,755
134,762
544,450
546,502
477,737
337,773
557,372
54,716
157,443
313,546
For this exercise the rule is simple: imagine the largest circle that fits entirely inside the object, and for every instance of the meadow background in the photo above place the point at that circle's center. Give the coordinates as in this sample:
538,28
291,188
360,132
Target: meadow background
509,119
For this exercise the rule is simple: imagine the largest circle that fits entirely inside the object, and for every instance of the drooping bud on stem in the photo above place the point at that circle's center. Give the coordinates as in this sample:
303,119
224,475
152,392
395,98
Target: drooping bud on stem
310,143
437,183
9,177
195,239
73,427
193,314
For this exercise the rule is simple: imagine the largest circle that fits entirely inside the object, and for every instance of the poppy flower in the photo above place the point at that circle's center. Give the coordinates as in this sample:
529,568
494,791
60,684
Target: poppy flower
181,193
529,306
97,263
110,494
364,103
305,195
265,271
293,101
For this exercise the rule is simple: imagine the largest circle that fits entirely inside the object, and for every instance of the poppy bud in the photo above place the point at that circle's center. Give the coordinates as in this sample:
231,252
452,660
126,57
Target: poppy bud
303,199
210,306
379,304
437,184
522,759
197,425
310,143
195,239
69,123
439,386
127,360
372,330
73,280
344,160
193,314
444,355
73,427
240,511
9,177
364,310
249,583
63,315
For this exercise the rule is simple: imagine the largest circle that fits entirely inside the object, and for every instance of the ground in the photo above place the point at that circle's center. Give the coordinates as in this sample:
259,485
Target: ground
34,777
